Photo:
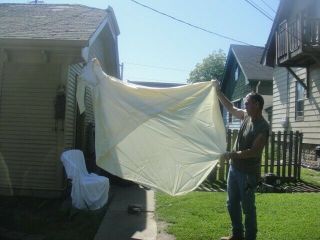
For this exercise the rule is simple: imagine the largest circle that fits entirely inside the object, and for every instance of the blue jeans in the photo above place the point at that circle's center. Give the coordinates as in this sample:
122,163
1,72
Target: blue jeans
241,188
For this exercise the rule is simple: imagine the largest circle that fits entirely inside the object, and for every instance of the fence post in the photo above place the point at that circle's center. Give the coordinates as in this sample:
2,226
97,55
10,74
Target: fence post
300,154
284,154
295,166
290,154
272,152
278,152
266,155
221,169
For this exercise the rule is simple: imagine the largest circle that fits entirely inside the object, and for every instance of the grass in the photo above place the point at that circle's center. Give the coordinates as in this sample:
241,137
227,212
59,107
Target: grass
203,215
51,219
198,215
310,176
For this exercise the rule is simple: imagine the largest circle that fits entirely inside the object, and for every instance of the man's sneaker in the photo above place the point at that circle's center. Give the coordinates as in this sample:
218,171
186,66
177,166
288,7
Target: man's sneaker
232,238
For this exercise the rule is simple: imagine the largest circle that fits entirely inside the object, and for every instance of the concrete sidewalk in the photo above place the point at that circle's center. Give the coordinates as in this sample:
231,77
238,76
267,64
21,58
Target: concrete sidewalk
118,224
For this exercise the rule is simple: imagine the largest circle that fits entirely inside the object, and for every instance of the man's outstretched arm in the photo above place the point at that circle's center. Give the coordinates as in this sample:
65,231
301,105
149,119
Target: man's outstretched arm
237,112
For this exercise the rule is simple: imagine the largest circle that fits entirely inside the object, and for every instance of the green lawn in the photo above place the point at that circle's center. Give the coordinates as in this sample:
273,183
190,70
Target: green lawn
310,176
203,215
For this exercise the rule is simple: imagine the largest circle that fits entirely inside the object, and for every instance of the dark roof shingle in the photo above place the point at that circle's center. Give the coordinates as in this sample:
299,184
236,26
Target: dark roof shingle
249,58
49,21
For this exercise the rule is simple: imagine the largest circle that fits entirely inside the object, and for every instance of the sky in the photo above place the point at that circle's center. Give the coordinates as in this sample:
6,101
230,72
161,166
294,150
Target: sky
156,48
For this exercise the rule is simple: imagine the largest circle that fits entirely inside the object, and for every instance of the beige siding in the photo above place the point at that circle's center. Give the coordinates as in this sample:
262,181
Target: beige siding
284,103
28,138
71,106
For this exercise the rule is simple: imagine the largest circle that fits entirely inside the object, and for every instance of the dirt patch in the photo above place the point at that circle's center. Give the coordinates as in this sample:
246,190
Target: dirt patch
162,233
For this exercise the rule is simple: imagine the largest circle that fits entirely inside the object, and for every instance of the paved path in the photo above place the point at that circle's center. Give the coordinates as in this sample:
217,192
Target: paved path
118,224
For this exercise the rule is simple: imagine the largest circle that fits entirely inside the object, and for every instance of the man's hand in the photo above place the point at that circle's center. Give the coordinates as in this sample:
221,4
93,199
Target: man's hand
225,156
228,155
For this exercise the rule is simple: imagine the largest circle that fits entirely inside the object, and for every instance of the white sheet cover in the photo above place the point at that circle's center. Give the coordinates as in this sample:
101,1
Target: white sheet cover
165,138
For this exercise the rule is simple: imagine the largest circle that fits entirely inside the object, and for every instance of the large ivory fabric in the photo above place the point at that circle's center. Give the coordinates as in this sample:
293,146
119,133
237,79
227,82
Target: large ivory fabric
165,138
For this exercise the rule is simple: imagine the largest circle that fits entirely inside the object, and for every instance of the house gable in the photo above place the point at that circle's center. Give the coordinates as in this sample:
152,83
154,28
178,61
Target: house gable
243,74
293,40
245,60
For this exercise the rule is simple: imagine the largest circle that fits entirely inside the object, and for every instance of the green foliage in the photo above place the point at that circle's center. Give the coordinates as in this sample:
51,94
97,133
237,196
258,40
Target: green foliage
203,215
212,67
310,176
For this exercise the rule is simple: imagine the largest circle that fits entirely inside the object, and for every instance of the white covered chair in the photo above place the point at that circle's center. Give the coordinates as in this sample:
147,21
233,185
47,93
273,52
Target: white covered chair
89,191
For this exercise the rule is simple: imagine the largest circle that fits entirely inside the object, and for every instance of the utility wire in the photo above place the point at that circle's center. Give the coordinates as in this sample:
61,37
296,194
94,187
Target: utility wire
260,10
190,24
268,6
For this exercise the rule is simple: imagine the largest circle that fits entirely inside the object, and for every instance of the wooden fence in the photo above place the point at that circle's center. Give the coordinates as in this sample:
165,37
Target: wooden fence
281,156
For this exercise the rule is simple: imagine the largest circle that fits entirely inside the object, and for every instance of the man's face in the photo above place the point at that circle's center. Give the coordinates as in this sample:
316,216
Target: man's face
251,106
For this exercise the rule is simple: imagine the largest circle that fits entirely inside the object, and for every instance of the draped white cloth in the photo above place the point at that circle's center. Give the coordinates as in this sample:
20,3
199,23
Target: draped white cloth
89,191
165,138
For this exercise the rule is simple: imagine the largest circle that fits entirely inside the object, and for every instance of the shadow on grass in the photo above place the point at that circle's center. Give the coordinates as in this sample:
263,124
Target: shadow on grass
286,187
49,219
301,186
212,186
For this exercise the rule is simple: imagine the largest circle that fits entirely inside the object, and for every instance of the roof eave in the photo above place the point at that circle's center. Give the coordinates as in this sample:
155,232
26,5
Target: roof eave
226,67
109,21
268,47
40,43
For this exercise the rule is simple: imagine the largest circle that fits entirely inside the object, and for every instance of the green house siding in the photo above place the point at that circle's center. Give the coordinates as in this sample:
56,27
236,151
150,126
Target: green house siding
237,89
265,88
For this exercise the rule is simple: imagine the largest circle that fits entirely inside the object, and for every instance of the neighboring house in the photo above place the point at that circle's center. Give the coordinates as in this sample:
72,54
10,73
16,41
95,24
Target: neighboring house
243,74
293,48
42,51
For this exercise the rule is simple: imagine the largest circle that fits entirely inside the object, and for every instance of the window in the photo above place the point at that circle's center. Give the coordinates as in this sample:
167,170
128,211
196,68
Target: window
236,73
299,101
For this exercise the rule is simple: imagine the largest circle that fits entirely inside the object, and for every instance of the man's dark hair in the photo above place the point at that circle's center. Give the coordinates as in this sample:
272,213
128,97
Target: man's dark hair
257,98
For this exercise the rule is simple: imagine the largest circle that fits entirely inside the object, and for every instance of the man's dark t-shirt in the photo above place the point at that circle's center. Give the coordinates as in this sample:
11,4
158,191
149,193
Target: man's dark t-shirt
249,131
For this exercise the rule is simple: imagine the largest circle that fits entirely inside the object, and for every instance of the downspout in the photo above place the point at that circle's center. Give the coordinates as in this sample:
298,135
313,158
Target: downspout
257,87
285,121
3,58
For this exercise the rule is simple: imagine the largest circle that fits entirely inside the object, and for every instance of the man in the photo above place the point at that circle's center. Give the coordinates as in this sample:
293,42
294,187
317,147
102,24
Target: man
245,165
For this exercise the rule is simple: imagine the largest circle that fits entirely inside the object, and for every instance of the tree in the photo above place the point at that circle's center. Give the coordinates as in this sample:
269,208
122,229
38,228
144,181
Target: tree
212,67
